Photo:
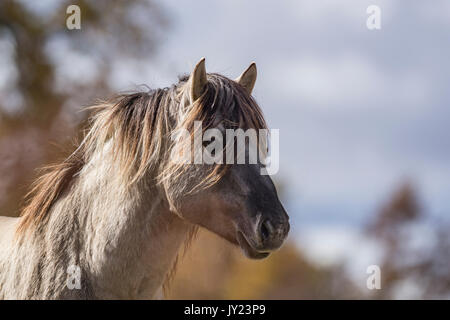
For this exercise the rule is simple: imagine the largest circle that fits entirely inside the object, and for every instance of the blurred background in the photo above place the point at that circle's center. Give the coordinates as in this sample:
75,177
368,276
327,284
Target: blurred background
363,116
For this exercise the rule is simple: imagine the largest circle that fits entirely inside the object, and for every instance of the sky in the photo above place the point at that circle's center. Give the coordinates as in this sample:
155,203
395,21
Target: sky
359,111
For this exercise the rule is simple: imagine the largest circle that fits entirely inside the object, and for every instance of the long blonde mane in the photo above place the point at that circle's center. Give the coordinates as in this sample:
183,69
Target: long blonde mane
139,126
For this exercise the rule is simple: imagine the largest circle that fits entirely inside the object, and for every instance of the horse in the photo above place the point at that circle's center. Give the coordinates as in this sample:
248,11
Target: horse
110,220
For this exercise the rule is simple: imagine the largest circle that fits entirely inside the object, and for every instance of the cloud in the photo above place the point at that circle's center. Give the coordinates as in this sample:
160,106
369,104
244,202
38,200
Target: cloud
349,81
438,13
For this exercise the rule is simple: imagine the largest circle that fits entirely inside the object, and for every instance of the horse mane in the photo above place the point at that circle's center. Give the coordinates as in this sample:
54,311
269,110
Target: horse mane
139,125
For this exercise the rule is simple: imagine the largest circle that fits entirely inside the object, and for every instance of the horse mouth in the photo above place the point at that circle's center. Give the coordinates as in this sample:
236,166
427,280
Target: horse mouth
248,249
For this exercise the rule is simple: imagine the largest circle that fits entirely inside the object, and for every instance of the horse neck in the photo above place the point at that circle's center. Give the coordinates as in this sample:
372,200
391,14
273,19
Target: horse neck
129,238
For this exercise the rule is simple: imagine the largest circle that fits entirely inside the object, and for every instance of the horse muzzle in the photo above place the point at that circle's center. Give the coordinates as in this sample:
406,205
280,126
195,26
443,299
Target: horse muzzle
267,235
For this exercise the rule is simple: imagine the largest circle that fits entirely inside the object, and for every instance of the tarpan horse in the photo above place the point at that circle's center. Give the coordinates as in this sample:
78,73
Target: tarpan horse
108,222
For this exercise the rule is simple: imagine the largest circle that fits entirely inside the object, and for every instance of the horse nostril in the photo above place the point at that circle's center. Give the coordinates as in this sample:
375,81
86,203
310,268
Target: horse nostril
266,229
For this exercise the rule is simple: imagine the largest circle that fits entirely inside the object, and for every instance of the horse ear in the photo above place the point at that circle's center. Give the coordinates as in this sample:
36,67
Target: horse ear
248,78
198,80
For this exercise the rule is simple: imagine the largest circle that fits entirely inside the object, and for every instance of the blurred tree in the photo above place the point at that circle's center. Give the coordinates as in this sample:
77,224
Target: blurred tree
421,269
401,209
44,83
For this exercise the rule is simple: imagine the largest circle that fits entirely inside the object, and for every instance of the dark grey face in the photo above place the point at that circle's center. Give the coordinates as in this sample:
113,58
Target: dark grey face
264,224
243,207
